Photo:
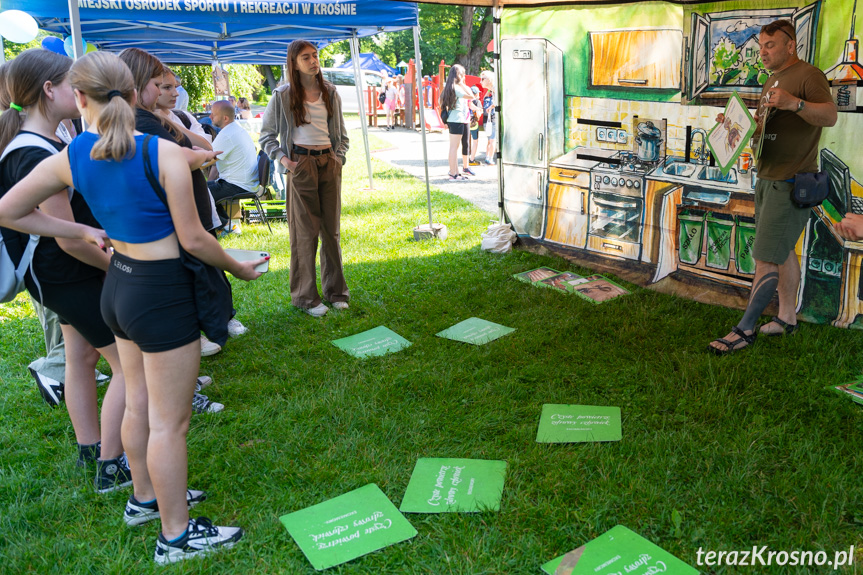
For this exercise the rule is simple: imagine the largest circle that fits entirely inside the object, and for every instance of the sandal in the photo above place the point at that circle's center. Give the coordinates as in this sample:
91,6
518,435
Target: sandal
457,177
787,328
731,346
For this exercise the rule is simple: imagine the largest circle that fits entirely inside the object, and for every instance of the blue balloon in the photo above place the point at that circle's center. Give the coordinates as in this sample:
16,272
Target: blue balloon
54,44
69,49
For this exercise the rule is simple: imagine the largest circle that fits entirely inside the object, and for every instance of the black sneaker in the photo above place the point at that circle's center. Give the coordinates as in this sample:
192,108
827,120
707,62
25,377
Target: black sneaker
112,474
202,404
51,389
201,537
88,453
138,513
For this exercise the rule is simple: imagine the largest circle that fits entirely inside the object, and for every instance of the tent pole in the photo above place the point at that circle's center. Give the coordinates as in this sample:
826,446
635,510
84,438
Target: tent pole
418,82
75,21
358,80
495,27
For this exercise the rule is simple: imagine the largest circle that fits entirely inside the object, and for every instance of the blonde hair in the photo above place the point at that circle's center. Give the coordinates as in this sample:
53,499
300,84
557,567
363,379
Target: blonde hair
489,75
104,78
21,82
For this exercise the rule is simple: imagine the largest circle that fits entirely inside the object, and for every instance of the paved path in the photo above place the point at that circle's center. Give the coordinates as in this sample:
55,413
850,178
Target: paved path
406,154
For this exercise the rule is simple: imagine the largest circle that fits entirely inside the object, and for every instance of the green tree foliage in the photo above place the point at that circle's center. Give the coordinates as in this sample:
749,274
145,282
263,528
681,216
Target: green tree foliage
198,82
726,56
246,81
10,49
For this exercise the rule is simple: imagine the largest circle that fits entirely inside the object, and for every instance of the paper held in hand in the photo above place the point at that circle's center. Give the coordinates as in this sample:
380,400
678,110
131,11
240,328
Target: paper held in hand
347,527
728,139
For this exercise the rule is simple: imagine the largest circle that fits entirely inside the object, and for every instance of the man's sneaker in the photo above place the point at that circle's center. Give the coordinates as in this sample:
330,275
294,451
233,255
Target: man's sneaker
112,474
51,389
208,347
235,328
138,513
202,382
340,305
468,171
319,310
88,453
202,404
200,538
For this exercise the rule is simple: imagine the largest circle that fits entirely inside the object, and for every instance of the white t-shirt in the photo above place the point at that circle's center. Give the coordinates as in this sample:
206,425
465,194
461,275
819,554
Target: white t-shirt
238,162
317,132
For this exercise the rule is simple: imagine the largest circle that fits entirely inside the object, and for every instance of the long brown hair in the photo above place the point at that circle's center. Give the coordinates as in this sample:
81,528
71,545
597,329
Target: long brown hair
21,83
100,76
298,94
144,67
447,95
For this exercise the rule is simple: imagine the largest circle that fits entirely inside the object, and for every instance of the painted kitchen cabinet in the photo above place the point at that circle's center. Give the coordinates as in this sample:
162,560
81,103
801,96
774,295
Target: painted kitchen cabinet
636,58
566,220
525,201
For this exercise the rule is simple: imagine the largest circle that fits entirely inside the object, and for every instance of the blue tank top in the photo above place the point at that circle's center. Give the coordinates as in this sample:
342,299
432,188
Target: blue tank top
118,193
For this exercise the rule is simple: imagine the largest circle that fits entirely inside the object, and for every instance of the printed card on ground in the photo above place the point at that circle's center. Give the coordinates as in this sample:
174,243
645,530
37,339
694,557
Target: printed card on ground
599,289
535,276
444,485
578,424
565,282
347,527
378,341
618,550
476,331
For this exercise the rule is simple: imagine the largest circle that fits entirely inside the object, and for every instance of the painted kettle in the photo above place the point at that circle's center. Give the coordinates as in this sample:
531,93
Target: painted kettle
648,140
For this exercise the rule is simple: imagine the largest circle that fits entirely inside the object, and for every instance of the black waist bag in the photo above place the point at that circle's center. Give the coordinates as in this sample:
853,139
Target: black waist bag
810,189
212,291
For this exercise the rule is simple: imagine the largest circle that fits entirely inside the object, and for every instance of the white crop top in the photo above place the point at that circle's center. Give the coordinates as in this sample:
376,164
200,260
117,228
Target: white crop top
317,132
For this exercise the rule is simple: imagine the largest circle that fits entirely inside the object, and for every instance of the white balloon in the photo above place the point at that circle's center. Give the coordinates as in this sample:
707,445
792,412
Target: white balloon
17,26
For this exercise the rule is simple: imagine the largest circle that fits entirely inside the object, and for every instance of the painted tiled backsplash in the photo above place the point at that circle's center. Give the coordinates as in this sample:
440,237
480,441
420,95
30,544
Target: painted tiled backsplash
623,111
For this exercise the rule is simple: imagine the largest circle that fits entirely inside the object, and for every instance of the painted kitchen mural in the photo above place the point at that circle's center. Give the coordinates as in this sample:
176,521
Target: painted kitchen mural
605,113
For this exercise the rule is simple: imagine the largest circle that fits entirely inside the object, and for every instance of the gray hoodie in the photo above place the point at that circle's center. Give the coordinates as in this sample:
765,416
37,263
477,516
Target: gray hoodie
278,126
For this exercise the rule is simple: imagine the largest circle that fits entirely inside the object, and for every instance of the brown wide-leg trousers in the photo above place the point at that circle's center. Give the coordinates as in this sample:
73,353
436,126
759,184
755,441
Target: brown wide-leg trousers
315,209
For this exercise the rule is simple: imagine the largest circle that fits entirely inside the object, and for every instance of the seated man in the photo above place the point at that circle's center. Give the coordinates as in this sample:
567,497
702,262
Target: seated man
236,170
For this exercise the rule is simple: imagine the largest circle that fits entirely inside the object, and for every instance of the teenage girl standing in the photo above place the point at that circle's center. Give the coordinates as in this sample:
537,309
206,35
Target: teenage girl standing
36,96
454,98
304,133
148,298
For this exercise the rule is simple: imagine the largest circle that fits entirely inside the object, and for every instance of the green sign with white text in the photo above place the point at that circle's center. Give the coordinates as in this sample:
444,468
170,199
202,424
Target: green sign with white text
454,485
378,341
578,424
476,331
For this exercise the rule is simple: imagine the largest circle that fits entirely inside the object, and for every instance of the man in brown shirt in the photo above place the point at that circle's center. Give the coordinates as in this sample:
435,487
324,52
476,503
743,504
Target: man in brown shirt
795,104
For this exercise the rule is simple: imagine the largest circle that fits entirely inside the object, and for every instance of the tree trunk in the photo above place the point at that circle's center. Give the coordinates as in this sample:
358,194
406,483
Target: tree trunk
267,73
466,35
478,50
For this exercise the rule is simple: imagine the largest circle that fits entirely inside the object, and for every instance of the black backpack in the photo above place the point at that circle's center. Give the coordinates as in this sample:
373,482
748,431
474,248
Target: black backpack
382,97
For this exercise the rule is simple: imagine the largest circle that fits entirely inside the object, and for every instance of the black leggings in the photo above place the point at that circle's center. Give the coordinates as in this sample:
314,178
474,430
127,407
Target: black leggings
151,303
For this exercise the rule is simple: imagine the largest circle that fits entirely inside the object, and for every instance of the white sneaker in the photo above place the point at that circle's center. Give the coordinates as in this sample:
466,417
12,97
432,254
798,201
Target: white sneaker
203,382
201,537
235,328
208,347
137,513
319,310
340,305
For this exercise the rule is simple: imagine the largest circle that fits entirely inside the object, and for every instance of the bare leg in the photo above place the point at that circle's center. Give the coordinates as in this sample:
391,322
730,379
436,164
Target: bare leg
763,287
136,425
454,143
81,398
789,281
113,405
170,379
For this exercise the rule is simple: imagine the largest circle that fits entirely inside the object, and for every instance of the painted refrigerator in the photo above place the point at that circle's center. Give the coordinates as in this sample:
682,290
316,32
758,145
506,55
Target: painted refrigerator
532,127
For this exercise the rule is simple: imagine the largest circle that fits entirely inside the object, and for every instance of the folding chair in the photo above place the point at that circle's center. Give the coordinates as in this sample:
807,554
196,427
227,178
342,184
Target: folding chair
258,193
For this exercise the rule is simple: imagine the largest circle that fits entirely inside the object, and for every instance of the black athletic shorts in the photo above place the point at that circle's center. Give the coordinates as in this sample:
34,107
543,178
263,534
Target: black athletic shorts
77,304
151,303
460,129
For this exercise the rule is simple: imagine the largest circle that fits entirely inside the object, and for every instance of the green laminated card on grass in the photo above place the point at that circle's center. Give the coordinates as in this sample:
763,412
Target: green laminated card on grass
578,424
378,341
347,527
454,486
618,550
476,331
535,276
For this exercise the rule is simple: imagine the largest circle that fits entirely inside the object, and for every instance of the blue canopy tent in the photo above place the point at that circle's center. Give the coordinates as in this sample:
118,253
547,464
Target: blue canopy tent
228,31
370,61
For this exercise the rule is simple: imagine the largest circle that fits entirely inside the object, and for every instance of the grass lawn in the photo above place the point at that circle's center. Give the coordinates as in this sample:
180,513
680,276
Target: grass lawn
746,450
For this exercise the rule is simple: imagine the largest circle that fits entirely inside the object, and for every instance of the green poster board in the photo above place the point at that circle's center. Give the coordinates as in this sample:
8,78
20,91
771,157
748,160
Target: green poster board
535,276
347,527
454,486
727,140
578,424
476,331
378,341
618,550
598,289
